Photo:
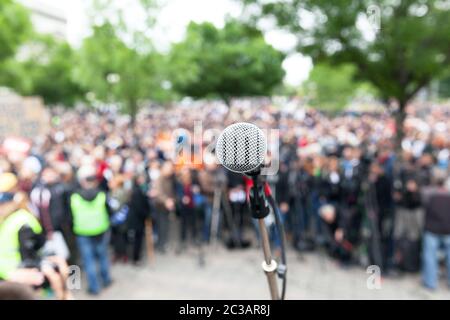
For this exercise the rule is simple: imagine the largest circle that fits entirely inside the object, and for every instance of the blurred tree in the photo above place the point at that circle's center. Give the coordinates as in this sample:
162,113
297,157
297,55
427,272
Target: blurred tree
119,64
15,26
444,88
230,62
331,88
398,46
47,71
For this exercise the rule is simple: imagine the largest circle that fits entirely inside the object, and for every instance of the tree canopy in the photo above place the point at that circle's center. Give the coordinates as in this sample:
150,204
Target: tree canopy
404,45
331,88
120,65
15,27
230,62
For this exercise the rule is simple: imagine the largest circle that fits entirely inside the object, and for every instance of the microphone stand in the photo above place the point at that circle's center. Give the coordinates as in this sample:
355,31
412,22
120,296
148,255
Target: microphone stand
260,209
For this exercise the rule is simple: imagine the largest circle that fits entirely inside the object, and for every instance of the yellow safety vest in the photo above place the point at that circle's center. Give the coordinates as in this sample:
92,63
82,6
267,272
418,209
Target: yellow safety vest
10,257
90,218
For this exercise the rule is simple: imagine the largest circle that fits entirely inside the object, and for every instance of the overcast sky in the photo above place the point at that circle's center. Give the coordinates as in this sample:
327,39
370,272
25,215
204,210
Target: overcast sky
172,21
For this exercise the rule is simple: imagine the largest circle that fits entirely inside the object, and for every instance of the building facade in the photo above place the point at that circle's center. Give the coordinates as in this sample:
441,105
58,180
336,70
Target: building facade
47,19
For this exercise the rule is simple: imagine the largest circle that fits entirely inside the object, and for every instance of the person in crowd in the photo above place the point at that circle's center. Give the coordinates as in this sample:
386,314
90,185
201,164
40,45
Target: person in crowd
350,184
139,211
408,216
164,199
90,220
187,212
207,179
119,202
384,213
237,200
21,238
339,175
437,230
49,198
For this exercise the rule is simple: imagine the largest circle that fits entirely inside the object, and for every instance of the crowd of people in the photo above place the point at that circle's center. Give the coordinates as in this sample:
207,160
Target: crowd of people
85,190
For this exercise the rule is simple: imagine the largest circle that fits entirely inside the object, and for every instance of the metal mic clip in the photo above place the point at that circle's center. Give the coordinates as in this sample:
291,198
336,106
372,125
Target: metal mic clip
258,202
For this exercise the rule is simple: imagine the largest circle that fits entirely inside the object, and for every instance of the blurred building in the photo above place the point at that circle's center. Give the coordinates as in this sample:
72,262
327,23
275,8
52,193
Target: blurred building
47,19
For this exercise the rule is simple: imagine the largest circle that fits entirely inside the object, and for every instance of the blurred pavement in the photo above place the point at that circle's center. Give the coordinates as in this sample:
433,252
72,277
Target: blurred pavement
238,275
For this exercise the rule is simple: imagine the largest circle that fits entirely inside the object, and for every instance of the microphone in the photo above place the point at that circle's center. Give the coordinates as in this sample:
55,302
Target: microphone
241,148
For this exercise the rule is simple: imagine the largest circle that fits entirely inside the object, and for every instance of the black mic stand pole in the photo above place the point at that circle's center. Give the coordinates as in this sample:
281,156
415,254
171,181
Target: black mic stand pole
260,209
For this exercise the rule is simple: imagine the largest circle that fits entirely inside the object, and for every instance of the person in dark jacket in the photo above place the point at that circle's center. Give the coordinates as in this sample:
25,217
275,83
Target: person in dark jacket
385,205
48,196
139,210
408,216
437,231
350,187
186,190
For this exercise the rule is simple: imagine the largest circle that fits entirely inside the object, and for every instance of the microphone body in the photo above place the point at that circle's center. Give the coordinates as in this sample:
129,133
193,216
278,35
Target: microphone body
241,148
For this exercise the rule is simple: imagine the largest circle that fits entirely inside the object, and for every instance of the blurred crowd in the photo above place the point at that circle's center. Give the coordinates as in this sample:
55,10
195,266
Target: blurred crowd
101,188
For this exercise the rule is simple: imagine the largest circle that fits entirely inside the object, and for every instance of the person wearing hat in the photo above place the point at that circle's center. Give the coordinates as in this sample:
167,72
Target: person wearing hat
18,227
90,220
20,239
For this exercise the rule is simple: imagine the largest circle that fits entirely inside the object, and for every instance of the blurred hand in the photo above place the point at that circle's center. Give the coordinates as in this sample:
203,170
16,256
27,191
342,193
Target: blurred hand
57,279
339,235
32,277
169,204
284,207
412,186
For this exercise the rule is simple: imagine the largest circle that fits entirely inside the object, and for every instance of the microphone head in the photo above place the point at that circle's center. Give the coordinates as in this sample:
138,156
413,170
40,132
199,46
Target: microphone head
241,147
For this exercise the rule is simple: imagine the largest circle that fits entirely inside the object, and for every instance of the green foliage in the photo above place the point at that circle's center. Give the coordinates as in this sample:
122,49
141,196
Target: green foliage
331,88
138,75
411,48
42,66
116,52
230,62
49,66
15,26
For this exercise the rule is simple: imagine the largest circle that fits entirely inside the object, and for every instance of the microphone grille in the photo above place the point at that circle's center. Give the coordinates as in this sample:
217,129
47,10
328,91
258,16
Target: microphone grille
241,147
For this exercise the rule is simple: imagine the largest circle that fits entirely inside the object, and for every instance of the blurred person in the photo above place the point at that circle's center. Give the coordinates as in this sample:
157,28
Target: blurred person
164,197
303,182
207,179
90,220
48,197
334,238
19,229
237,200
408,222
188,219
437,230
21,238
284,195
351,176
119,197
139,211
385,214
